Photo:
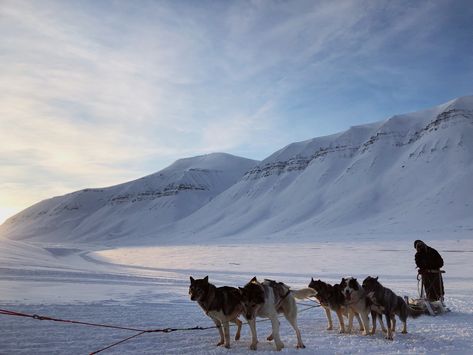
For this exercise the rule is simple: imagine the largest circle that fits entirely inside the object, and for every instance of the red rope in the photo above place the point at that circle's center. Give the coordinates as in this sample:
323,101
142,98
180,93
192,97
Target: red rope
35,316
118,342
140,331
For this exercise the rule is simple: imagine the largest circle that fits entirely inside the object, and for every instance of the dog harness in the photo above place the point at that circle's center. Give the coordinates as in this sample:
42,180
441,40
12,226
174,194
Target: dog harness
278,289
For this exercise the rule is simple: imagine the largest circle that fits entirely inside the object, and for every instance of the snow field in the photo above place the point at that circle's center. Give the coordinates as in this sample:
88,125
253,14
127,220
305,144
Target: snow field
449,333
147,288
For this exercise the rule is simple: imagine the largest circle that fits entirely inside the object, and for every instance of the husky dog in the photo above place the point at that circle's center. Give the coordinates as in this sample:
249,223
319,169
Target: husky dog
356,300
390,304
268,298
221,304
376,313
331,298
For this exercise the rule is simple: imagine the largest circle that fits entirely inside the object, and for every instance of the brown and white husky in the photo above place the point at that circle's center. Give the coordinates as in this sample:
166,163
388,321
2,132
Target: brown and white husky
266,300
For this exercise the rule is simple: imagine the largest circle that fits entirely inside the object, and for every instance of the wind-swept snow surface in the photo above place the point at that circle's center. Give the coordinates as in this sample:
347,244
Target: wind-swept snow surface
148,288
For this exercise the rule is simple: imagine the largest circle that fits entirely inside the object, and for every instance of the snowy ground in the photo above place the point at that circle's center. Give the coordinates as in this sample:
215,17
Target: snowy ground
147,288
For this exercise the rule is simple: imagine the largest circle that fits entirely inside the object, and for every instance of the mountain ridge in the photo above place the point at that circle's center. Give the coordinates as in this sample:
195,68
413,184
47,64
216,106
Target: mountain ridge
205,175
382,174
362,184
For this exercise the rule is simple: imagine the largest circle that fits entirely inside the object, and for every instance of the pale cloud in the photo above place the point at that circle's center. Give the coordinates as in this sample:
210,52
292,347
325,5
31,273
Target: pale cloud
249,129
80,107
94,93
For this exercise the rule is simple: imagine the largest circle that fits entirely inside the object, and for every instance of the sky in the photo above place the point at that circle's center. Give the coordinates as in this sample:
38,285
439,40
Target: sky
95,93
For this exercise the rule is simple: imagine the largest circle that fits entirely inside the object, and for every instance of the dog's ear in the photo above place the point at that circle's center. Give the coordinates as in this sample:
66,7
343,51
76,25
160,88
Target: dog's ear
376,278
311,279
192,279
206,279
343,280
253,280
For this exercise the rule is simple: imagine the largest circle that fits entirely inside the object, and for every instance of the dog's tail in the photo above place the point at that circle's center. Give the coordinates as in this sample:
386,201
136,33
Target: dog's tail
414,313
408,310
304,293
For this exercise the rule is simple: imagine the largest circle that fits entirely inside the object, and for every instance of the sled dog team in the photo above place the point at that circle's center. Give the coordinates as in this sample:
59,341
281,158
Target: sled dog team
269,298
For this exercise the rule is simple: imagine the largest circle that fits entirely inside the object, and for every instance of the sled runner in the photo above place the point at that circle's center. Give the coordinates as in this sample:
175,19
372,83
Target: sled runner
431,292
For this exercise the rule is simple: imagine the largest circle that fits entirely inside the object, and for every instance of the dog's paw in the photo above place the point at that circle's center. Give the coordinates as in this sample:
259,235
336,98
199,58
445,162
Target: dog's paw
300,346
341,331
237,336
404,332
279,346
253,346
227,346
329,327
389,337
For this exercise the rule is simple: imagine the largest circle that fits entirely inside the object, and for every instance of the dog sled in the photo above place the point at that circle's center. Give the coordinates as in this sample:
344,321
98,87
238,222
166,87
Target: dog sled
431,293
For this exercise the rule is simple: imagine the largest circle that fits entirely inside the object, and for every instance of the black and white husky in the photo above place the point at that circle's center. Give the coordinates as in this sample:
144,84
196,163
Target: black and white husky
266,300
389,304
357,301
221,304
331,298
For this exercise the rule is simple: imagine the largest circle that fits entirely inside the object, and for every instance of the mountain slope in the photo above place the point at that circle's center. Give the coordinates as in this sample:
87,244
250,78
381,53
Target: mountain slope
411,172
407,174
129,209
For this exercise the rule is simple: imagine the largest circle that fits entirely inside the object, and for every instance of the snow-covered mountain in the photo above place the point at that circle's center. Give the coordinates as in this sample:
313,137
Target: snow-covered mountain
132,208
407,174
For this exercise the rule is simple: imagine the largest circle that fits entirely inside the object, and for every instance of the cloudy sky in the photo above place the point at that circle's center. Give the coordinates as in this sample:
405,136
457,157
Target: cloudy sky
94,93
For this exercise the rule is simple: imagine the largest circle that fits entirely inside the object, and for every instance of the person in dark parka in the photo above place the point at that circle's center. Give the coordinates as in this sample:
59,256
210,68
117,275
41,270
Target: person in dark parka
429,262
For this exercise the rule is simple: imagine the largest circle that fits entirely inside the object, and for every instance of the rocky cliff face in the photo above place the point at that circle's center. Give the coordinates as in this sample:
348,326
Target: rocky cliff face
396,138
